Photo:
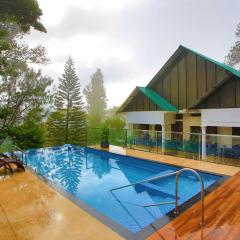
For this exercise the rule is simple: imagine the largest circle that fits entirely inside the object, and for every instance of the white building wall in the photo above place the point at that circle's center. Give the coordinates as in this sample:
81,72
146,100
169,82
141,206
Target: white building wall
145,117
225,117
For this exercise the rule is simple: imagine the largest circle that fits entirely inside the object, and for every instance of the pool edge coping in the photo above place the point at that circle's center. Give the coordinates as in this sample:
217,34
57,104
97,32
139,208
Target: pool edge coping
114,226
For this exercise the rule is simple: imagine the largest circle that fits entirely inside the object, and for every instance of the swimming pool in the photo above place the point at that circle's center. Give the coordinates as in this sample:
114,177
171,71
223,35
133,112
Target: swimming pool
90,174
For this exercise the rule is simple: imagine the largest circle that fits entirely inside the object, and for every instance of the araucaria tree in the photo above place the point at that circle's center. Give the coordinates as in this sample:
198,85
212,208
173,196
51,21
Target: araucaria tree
68,123
96,99
233,57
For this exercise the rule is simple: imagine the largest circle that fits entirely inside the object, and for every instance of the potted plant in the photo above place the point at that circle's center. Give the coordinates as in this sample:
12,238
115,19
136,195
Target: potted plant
104,137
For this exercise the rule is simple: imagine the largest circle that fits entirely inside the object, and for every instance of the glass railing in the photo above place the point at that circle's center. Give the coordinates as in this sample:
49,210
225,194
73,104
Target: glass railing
180,144
117,137
224,149
144,140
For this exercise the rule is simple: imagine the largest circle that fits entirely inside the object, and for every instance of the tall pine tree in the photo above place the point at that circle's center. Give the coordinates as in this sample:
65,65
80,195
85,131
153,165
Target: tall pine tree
68,123
96,99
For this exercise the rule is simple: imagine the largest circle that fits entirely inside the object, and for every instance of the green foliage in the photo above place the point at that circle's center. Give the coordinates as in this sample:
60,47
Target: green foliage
6,145
104,133
93,136
21,94
16,19
23,91
23,99
95,94
28,135
55,128
233,57
68,123
14,54
114,125
25,13
114,119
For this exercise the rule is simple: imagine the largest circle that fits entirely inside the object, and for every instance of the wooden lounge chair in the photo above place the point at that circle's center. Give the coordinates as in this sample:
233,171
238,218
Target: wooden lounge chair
8,161
6,166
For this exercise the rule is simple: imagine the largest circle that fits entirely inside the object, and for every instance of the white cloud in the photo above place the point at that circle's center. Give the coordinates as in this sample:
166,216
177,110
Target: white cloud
131,39
54,9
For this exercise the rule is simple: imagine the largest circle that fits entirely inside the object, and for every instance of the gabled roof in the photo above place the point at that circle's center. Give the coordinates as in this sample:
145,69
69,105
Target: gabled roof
180,50
157,99
222,65
163,103
154,97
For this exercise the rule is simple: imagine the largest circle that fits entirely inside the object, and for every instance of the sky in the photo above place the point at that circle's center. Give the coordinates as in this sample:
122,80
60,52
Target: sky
130,40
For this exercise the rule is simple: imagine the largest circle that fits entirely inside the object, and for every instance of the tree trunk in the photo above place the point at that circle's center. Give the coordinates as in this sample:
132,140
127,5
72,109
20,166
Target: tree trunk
67,120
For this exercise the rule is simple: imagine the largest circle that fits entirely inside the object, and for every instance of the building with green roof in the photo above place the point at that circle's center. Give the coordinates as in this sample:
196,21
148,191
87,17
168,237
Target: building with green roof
190,94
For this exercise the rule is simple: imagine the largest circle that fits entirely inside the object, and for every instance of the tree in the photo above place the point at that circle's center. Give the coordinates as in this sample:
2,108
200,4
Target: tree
114,120
29,134
23,106
25,13
233,57
16,19
54,128
68,123
21,94
95,94
14,53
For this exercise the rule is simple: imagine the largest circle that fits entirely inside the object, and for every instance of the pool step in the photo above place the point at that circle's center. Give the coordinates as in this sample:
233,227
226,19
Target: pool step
154,189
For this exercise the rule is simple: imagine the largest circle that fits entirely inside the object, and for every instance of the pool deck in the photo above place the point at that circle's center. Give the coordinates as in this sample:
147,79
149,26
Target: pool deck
177,161
222,217
31,209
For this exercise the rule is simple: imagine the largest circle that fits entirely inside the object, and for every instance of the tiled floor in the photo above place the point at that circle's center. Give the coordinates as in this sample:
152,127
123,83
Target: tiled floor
30,209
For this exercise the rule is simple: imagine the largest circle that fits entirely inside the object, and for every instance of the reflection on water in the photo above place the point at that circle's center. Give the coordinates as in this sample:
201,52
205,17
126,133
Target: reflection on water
101,167
90,174
61,165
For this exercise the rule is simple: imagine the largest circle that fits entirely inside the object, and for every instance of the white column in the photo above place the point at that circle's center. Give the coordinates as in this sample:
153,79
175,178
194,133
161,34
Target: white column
163,138
204,155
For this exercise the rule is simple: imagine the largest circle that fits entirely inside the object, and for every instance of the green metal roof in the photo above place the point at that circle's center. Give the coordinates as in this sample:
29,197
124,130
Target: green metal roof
157,99
222,65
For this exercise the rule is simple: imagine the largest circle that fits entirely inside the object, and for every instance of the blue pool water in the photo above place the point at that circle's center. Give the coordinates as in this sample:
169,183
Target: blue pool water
89,175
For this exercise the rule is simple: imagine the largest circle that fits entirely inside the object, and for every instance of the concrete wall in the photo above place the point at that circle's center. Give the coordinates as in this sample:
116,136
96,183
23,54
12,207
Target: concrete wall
224,140
169,118
189,121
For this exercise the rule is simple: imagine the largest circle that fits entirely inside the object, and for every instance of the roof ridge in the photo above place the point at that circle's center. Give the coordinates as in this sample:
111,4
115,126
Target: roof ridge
223,65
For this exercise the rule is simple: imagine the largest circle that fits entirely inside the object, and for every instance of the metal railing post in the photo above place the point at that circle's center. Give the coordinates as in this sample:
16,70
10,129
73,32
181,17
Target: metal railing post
177,173
202,191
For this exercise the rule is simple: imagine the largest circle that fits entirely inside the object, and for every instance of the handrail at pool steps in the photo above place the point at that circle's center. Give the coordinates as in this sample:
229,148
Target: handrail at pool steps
177,173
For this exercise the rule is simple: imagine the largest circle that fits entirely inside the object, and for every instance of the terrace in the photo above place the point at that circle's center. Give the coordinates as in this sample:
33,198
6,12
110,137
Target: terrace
162,165
32,207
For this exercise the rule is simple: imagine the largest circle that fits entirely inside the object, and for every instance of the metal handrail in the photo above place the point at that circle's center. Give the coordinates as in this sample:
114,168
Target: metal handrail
177,173
146,180
202,191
